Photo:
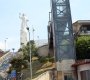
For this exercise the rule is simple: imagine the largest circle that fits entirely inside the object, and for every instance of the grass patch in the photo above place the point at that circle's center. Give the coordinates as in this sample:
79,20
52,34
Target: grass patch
38,68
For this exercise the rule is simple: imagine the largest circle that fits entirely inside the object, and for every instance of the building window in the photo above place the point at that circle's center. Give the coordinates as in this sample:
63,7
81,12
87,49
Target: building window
85,75
84,29
68,77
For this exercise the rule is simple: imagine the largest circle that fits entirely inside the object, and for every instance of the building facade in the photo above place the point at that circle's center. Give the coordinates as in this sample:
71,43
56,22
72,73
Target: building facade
82,69
81,27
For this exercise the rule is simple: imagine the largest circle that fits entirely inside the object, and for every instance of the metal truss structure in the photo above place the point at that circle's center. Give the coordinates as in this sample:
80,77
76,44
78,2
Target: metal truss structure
61,21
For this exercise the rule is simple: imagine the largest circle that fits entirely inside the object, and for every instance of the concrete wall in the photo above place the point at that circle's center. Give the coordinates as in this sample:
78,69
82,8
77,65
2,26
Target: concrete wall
76,27
64,68
44,76
43,50
65,65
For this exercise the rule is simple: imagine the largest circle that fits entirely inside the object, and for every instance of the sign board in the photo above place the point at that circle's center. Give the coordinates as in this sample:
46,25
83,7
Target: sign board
13,73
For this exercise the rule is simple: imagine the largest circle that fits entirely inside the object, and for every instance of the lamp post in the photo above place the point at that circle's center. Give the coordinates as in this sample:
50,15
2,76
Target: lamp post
5,43
33,33
30,54
13,49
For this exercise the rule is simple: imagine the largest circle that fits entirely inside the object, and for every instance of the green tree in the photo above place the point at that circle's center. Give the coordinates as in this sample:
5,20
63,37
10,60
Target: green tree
26,50
83,47
18,64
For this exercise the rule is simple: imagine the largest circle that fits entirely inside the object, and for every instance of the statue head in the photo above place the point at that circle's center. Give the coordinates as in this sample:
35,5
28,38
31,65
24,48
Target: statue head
23,15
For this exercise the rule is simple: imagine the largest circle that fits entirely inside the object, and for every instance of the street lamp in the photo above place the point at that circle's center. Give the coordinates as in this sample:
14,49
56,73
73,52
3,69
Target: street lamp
33,33
5,43
30,54
13,49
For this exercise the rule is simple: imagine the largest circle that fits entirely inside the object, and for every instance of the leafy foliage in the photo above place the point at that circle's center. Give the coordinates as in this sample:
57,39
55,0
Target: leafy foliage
83,47
18,65
46,59
26,50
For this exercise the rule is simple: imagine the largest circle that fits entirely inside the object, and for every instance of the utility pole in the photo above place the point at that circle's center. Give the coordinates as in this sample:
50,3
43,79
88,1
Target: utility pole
33,33
5,43
30,55
13,49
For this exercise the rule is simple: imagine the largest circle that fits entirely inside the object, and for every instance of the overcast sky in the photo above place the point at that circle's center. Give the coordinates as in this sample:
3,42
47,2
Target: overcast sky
37,13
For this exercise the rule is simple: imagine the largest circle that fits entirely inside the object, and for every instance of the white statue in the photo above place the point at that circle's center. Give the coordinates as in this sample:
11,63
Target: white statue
23,31
24,21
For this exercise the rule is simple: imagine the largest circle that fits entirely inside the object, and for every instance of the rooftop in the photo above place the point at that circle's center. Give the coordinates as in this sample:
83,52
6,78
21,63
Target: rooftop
41,42
82,22
81,62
